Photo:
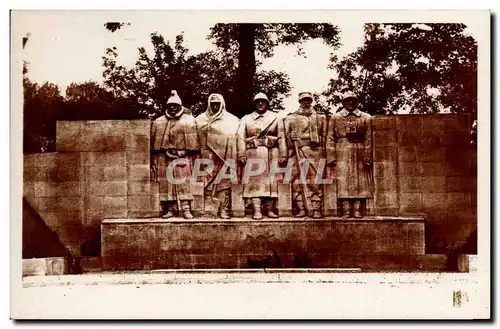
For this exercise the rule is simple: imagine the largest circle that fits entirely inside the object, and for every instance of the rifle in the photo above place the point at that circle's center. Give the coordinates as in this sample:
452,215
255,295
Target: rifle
306,201
224,161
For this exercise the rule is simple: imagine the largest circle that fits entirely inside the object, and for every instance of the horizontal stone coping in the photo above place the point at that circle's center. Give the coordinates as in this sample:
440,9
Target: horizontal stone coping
253,221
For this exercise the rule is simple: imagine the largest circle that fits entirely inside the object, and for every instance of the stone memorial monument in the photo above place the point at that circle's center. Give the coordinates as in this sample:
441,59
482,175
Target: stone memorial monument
170,193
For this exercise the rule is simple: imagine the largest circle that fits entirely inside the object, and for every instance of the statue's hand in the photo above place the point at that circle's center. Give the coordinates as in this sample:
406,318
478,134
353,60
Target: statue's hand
203,166
242,160
283,161
294,136
154,169
171,154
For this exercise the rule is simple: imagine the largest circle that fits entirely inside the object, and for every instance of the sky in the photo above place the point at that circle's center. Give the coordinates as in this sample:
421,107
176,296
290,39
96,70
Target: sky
67,47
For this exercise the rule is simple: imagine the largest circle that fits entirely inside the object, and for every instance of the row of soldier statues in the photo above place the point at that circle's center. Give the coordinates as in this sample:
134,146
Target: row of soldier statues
343,141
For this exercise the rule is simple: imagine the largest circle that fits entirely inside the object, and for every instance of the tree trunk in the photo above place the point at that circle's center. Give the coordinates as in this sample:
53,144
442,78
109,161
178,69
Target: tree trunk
241,101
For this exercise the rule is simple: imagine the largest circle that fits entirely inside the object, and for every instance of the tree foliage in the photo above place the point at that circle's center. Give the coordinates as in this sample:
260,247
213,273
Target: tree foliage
245,42
423,68
194,77
90,101
41,105
231,70
153,77
114,26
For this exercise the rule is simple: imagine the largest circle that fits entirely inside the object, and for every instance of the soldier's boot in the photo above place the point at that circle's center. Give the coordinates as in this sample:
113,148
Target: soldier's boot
257,212
270,209
186,209
302,211
224,205
358,209
224,214
169,213
272,214
346,209
316,213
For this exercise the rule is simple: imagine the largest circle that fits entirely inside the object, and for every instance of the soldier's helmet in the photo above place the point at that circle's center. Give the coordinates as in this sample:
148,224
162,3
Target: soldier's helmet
260,96
350,95
174,98
305,94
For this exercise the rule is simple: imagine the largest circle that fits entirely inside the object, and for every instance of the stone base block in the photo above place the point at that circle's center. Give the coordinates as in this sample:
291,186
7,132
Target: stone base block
467,263
130,244
45,266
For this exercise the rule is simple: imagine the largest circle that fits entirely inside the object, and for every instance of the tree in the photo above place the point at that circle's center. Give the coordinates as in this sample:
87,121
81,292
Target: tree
231,69
152,78
424,68
194,77
41,104
90,101
114,26
243,41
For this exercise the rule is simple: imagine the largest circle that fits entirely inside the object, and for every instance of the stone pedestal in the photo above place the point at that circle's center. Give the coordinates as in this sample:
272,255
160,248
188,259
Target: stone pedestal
131,244
45,266
467,263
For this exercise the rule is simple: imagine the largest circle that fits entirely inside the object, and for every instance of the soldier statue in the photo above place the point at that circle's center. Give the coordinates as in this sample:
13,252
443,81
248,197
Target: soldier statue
217,135
174,137
305,131
349,150
260,137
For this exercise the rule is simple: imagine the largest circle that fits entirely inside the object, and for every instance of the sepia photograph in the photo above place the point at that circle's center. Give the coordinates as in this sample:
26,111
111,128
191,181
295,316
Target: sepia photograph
256,158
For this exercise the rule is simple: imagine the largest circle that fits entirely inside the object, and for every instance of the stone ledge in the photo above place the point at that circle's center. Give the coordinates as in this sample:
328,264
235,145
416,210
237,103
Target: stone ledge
206,220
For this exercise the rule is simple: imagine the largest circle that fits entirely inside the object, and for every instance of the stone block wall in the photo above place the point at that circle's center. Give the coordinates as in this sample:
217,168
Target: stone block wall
423,165
100,170
53,187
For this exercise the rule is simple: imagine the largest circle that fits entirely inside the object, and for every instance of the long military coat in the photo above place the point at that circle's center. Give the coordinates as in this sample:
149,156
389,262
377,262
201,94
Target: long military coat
260,136
176,135
349,143
311,130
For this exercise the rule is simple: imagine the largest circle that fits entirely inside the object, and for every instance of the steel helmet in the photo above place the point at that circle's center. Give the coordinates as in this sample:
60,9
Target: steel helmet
349,94
306,94
174,98
261,96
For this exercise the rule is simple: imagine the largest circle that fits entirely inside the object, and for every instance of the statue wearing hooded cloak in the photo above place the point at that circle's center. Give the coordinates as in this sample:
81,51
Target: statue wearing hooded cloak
217,136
